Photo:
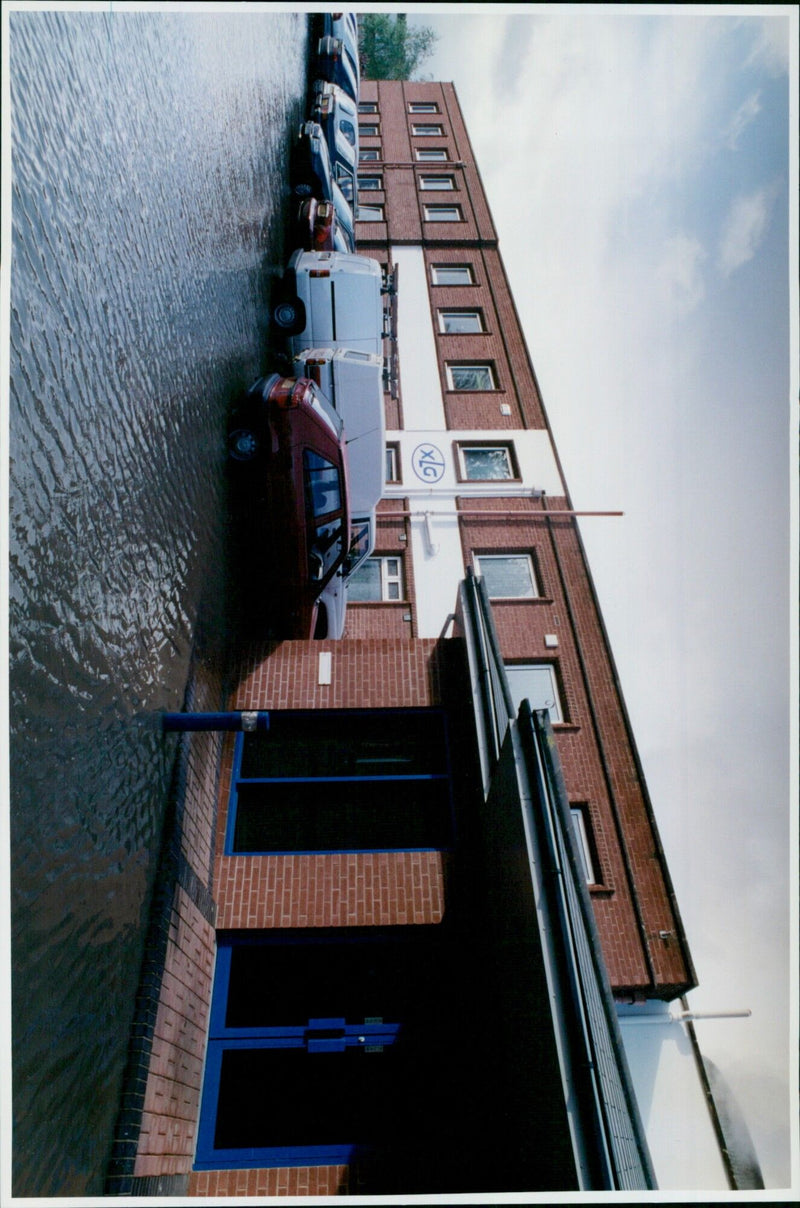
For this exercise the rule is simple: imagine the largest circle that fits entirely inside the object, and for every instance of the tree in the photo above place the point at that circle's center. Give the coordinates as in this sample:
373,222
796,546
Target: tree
389,49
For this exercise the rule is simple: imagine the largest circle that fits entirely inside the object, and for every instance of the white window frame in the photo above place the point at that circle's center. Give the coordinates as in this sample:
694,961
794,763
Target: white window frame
436,213
475,365
431,155
393,461
379,216
555,710
423,130
482,559
580,830
376,188
461,267
423,107
367,107
388,578
512,475
369,155
369,129
437,184
450,311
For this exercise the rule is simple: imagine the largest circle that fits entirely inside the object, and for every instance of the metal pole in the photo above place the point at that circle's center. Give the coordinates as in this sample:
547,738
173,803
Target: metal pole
519,513
243,720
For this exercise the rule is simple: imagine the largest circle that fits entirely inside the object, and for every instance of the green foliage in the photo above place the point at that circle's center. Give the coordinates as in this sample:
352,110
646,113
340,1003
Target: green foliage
390,50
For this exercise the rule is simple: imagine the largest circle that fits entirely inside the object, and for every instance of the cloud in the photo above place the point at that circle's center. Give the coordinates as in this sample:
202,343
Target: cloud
744,229
771,46
744,115
679,274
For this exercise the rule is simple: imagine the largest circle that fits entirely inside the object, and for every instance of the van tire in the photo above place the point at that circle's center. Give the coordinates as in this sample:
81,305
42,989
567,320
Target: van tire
290,316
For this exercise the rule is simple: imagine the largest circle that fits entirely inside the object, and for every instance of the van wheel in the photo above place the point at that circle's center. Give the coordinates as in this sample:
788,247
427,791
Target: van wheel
290,316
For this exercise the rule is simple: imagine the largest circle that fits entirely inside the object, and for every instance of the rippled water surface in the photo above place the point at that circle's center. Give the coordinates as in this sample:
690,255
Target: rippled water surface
149,156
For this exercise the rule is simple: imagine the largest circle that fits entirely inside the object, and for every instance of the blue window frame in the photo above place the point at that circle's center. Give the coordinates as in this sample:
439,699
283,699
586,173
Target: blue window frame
303,1065
342,781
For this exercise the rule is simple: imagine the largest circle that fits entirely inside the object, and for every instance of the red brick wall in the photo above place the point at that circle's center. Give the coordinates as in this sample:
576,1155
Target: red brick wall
584,740
172,1098
388,619
338,890
292,1180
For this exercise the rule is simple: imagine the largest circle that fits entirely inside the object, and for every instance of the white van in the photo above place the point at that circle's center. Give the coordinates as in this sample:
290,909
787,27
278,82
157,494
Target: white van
332,300
353,383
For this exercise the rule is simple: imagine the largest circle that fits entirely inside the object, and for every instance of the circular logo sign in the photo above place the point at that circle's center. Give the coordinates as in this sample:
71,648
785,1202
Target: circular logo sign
427,462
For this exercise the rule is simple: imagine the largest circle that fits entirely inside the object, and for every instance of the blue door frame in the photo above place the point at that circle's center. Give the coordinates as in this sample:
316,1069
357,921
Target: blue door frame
314,1037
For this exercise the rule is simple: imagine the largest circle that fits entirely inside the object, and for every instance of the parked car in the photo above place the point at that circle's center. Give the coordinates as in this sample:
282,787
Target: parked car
289,465
334,51
332,300
332,603
337,114
311,176
318,228
352,382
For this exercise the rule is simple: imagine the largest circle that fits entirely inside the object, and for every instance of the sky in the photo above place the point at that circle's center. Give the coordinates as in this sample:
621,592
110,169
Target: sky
638,169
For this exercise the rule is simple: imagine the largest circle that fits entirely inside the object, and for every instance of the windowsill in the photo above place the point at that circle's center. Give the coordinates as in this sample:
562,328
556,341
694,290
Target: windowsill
493,390
381,603
482,332
519,599
600,891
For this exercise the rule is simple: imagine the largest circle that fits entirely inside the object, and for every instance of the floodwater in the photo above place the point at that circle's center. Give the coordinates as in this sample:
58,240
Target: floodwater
148,207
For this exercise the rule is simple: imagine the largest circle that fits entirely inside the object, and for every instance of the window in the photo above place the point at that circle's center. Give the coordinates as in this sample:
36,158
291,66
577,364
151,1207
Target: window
507,576
314,782
580,827
471,377
460,322
369,155
393,463
535,682
348,131
346,181
423,107
303,1064
486,463
452,274
367,107
442,213
368,129
377,579
370,183
427,131
442,183
370,213
431,154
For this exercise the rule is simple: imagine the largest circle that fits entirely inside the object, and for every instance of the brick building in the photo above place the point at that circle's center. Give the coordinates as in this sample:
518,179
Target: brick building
438,870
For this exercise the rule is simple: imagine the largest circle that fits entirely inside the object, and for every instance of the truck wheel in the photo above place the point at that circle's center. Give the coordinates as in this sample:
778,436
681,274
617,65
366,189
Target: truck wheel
290,316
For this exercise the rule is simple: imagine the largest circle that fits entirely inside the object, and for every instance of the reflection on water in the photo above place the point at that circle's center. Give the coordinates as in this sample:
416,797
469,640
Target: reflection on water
148,160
